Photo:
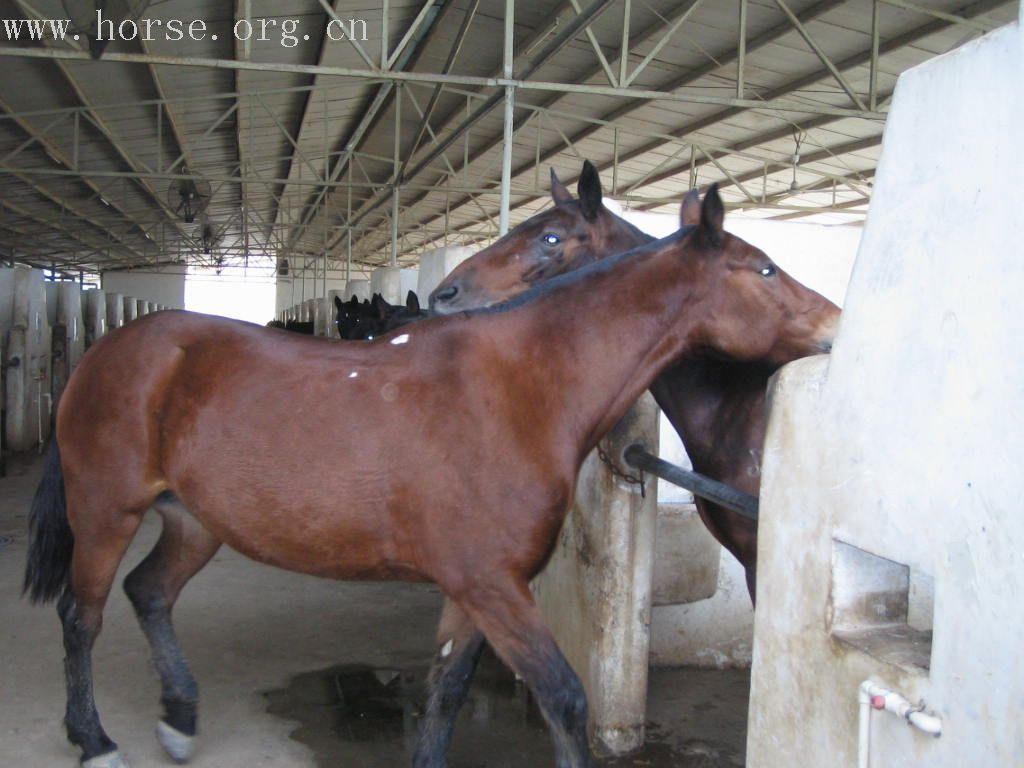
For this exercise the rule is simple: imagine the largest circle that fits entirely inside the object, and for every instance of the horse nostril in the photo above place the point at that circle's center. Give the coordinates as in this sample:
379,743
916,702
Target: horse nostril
447,294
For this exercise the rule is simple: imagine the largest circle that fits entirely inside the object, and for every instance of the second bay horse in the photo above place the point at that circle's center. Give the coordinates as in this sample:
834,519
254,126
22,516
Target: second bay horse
717,406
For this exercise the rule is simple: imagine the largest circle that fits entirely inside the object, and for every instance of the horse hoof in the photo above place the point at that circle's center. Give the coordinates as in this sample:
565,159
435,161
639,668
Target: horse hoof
178,745
109,760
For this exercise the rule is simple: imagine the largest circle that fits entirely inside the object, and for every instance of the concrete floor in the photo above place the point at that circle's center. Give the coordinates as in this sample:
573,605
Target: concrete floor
254,636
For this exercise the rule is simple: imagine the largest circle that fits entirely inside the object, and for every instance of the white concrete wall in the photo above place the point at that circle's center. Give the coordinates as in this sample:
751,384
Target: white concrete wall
716,630
906,444
435,266
162,286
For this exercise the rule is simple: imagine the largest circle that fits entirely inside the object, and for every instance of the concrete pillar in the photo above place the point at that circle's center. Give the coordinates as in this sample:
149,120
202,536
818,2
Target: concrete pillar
387,281
94,313
409,279
596,591
332,312
131,309
891,532
27,354
435,266
359,288
68,335
115,310
309,311
324,318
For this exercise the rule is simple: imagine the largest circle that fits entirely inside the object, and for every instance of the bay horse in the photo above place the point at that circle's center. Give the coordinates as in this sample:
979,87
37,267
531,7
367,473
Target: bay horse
499,407
716,405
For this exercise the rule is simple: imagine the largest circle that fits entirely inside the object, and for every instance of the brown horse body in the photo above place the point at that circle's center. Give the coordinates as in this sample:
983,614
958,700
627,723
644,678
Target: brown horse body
472,432
718,407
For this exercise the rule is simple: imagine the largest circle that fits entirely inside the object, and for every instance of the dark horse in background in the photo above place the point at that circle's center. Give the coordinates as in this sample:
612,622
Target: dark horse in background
362,320
366,320
718,406
187,414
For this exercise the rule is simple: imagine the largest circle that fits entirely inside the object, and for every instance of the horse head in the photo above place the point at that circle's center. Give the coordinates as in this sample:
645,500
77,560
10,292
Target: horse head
747,307
565,237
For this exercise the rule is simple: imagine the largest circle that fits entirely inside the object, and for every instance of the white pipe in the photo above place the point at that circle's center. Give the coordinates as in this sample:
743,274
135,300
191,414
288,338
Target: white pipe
872,696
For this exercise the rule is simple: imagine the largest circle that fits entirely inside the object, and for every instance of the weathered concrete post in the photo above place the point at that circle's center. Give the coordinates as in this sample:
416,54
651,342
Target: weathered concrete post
359,288
115,311
131,309
27,358
95,315
596,590
435,266
387,281
323,318
309,311
68,333
332,312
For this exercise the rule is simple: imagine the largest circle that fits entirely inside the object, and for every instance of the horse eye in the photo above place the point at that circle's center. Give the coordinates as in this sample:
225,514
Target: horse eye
551,239
768,270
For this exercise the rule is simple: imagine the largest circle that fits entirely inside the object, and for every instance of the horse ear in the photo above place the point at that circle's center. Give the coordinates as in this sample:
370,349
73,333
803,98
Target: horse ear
559,193
712,215
412,302
689,213
589,191
380,306
337,304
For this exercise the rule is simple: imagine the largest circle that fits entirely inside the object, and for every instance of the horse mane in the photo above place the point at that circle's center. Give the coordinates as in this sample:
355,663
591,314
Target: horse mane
634,229
582,274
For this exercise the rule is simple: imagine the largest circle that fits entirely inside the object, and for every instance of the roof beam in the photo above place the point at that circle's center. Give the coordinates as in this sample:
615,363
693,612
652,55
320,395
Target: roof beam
42,191
860,58
101,249
98,122
649,34
54,152
383,97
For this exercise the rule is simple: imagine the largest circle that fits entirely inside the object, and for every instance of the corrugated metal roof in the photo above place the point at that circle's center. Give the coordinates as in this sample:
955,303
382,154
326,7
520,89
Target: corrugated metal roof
94,156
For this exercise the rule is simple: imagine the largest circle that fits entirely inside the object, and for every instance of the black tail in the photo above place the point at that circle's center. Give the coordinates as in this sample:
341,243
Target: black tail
50,541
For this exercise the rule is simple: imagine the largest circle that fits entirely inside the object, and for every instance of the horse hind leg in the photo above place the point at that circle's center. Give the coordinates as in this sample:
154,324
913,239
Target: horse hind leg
459,644
512,624
183,548
97,552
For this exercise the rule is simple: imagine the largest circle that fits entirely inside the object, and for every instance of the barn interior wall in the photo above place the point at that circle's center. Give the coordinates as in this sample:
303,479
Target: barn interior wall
166,286
903,448
292,290
717,631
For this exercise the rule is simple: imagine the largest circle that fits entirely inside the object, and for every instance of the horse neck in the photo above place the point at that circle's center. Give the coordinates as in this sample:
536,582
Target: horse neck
605,338
717,407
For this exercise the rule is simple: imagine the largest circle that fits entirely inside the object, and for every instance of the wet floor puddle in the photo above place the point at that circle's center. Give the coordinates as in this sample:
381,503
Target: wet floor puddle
367,717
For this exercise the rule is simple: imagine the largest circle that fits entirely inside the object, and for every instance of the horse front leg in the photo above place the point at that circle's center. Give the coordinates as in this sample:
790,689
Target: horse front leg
459,644
512,623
